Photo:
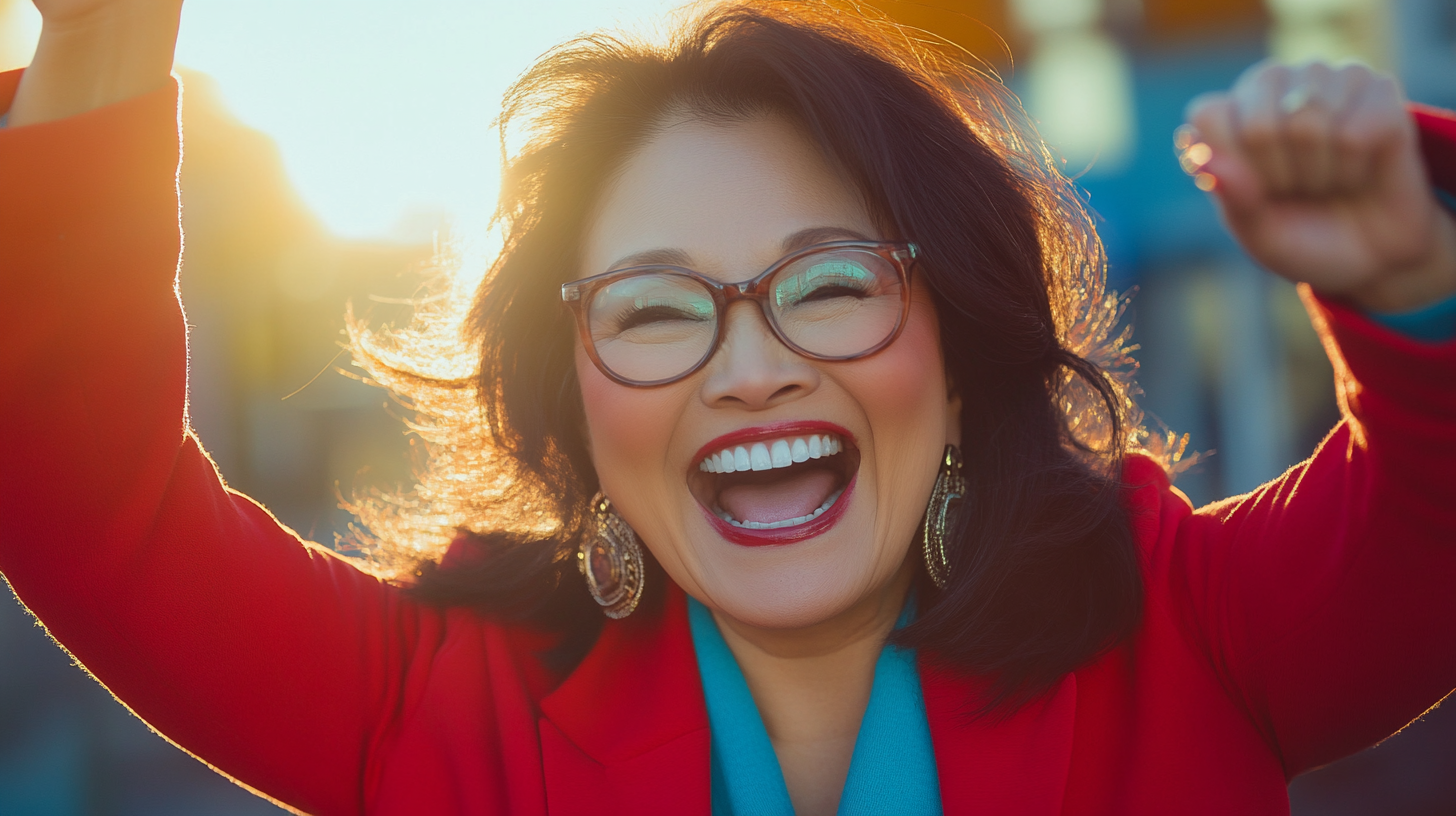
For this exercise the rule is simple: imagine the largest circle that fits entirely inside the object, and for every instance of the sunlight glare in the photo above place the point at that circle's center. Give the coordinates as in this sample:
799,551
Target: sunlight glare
382,109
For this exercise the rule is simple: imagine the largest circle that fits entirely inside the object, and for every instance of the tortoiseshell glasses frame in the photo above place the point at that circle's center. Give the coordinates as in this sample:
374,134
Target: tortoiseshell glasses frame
578,296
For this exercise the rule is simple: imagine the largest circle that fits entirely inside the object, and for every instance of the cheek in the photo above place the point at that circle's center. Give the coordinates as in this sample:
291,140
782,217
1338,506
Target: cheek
625,431
902,392
903,388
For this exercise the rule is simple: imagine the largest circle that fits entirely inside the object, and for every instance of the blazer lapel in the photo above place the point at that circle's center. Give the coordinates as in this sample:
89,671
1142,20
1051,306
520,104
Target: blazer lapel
627,732
1013,765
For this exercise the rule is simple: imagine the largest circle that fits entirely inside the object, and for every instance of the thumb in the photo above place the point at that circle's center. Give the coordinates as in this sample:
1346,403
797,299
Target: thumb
1209,150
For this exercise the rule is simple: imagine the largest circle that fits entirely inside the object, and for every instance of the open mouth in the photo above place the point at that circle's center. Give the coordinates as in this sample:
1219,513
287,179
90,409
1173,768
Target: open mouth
776,484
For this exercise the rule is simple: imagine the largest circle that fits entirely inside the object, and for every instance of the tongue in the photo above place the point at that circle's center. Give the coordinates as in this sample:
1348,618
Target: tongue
798,493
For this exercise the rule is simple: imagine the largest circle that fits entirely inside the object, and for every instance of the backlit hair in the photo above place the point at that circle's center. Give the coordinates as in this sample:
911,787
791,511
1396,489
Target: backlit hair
1045,576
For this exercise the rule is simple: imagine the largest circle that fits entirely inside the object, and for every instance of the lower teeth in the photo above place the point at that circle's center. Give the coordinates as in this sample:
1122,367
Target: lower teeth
775,525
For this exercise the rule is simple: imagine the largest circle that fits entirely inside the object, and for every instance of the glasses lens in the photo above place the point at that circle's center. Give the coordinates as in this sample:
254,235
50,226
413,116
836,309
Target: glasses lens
653,326
837,303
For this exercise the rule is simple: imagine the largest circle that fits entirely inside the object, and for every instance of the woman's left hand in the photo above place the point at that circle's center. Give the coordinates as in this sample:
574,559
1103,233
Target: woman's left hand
1318,174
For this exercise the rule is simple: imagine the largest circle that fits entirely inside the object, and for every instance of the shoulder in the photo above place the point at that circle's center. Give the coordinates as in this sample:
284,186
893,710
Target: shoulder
1152,503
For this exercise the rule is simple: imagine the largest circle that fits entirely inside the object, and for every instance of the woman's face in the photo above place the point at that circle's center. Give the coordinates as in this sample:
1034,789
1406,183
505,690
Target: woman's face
728,200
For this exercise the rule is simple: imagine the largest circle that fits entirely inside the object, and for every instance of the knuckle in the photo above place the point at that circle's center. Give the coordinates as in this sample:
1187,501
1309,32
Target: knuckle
1353,140
1209,111
1354,72
1305,130
1318,72
1385,90
1262,74
1259,131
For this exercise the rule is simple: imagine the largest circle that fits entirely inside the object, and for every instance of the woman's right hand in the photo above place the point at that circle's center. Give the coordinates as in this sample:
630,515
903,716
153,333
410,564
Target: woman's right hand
93,53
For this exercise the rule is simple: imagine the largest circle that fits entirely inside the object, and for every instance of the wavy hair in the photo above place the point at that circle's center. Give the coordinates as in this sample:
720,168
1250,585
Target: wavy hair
1044,572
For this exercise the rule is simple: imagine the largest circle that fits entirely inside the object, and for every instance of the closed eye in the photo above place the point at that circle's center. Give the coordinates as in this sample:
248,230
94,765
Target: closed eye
832,290
645,315
817,284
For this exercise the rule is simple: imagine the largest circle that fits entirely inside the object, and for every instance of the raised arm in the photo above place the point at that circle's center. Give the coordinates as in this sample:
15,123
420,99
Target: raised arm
275,661
93,53
1324,599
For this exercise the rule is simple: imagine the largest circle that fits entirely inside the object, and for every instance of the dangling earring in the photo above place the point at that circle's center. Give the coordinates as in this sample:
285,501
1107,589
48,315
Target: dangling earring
950,489
612,562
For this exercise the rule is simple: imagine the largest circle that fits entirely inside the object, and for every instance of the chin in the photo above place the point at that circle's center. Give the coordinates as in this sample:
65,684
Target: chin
795,600
794,585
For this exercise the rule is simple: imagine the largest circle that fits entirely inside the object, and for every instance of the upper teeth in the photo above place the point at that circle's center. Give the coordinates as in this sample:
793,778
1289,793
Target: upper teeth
772,453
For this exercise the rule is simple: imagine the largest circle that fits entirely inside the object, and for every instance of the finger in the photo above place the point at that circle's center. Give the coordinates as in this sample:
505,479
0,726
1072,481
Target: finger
1213,154
1257,95
1375,131
1307,126
1349,156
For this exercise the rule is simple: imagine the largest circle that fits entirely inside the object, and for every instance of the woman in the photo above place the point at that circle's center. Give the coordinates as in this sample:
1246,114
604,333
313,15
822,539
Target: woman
899,439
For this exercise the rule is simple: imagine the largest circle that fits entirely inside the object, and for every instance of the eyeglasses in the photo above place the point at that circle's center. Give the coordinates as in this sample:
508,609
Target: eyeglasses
652,325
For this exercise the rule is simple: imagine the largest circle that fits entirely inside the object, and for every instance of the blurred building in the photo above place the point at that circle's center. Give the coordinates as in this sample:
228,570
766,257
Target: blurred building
1227,353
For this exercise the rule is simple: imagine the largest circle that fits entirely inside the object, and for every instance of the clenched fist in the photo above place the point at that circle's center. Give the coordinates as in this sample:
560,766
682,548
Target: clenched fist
1317,172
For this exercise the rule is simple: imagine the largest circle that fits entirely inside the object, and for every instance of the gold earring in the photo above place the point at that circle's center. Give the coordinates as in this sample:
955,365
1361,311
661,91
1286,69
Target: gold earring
612,561
950,489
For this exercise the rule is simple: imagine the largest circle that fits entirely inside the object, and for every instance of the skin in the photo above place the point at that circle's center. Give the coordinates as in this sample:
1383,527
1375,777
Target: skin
94,53
1331,193
806,621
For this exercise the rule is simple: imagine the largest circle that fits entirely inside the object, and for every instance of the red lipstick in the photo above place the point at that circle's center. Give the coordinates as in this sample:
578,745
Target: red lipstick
749,537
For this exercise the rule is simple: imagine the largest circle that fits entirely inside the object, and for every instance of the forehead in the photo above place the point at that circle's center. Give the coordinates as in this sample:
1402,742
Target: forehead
724,195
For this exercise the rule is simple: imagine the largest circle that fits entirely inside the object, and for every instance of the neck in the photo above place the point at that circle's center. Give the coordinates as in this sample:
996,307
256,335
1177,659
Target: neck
812,686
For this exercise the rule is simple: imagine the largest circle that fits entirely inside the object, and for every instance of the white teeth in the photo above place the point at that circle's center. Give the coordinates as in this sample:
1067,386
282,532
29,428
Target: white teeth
768,455
776,525
779,453
759,458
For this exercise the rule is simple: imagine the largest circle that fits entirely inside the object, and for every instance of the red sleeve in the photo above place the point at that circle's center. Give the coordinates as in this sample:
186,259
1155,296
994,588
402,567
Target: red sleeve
269,658
1326,600
1438,144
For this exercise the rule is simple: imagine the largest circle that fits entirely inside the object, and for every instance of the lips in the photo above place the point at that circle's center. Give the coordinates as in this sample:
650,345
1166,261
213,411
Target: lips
775,484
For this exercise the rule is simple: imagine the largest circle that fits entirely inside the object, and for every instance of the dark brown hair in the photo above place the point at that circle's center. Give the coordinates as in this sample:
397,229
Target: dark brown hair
1044,572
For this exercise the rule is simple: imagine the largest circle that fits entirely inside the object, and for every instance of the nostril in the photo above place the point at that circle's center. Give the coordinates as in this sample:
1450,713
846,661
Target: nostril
786,391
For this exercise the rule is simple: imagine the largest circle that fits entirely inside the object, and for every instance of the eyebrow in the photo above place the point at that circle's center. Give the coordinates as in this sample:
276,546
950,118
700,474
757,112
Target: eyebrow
819,235
667,256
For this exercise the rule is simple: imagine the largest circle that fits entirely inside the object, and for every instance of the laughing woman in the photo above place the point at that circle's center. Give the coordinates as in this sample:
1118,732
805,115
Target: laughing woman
825,491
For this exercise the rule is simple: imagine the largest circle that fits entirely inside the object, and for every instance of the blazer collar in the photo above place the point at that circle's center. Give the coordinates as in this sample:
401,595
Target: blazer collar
635,708
992,764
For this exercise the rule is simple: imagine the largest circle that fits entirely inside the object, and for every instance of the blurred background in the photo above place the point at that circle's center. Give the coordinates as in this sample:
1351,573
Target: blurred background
334,145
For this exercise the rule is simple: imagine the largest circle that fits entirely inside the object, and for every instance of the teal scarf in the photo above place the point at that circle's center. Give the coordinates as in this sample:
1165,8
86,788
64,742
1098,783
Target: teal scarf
893,761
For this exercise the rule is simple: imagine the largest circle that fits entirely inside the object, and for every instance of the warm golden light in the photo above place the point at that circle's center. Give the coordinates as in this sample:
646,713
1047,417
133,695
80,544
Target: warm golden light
383,111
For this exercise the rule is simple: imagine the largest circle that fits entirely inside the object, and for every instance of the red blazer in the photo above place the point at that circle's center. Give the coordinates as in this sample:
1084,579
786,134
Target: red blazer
1284,628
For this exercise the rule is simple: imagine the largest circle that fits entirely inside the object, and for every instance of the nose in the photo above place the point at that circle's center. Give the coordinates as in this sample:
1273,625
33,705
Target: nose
751,369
